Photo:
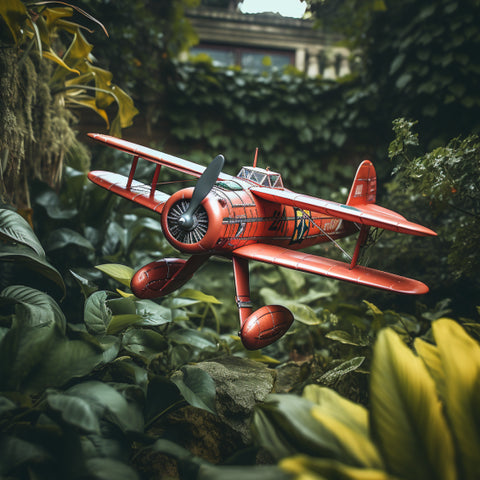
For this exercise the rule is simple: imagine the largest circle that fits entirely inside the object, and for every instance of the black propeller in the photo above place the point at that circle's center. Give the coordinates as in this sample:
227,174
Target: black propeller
202,189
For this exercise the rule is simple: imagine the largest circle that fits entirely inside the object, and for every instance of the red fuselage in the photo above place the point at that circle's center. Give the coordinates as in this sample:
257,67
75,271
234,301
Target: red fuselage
231,217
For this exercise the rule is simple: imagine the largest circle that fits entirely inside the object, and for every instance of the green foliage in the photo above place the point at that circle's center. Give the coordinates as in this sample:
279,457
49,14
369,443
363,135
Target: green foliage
419,56
80,398
296,122
440,187
404,434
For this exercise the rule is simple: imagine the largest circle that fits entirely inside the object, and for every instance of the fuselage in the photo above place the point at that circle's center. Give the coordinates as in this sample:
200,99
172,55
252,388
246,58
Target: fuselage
231,216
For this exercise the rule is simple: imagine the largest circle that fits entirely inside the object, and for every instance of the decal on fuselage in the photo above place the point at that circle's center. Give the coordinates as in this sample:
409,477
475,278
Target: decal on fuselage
280,221
302,225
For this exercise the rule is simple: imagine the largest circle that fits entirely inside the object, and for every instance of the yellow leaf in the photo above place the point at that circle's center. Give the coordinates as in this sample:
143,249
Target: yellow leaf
346,423
121,273
126,108
120,322
460,356
308,468
87,102
431,357
406,415
14,13
125,294
51,55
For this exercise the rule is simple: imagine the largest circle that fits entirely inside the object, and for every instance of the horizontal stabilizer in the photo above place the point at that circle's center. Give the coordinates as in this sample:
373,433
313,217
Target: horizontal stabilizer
366,214
170,161
306,262
138,192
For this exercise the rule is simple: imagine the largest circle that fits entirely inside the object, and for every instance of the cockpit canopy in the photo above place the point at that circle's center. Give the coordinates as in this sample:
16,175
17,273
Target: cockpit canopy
262,177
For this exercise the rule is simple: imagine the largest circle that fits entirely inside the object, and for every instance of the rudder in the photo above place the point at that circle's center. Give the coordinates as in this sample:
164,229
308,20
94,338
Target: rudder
364,186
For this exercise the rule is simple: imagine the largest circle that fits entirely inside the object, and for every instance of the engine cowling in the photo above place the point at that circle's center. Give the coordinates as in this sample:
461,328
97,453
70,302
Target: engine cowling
152,280
205,233
265,326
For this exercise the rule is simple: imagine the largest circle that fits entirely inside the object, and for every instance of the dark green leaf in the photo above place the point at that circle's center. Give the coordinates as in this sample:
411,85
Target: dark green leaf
25,255
97,315
197,387
127,415
65,237
145,343
15,228
76,411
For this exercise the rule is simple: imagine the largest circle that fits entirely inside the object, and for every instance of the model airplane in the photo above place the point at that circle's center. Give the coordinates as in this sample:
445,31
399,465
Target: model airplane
252,216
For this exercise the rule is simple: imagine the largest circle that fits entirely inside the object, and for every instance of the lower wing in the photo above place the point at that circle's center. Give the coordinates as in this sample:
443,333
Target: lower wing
137,192
306,262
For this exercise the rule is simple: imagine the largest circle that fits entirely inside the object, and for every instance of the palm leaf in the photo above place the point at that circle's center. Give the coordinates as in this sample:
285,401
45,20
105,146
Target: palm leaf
460,356
406,414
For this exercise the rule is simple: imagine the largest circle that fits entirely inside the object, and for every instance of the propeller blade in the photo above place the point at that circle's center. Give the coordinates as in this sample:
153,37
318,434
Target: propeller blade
202,189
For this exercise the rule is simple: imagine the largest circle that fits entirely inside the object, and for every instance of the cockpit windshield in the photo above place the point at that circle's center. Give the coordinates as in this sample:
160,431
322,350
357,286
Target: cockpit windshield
262,177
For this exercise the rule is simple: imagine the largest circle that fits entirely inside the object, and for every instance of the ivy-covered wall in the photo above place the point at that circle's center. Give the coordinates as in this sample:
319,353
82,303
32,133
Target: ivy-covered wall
312,131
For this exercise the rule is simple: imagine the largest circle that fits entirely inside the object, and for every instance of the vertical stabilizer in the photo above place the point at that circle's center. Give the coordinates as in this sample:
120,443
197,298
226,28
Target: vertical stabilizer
364,187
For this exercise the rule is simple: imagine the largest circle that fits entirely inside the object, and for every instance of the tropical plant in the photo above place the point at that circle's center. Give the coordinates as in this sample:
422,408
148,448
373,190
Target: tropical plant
422,421
34,23
41,77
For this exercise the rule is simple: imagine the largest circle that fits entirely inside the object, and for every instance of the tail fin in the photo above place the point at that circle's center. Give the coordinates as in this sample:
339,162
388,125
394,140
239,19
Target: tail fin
364,187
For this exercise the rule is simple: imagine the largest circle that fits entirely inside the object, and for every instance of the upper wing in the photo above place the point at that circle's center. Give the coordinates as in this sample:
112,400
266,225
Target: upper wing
367,214
155,156
306,262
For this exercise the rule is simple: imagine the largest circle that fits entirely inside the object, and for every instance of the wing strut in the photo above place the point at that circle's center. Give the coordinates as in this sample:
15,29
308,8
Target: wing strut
132,172
155,179
362,239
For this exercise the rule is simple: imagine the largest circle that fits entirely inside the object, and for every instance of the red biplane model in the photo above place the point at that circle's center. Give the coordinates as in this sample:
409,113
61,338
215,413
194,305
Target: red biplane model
252,216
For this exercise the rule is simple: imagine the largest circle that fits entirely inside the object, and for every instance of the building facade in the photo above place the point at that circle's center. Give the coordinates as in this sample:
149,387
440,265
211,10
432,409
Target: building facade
267,40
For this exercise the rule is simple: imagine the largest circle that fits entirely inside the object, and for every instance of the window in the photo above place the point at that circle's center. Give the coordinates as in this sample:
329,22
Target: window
261,177
253,59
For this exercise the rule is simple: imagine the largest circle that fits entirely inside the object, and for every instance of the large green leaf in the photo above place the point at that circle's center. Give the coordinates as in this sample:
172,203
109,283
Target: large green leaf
101,468
76,411
37,323
127,415
460,356
197,387
303,313
30,259
34,308
66,237
144,343
153,314
97,315
406,415
15,228
67,359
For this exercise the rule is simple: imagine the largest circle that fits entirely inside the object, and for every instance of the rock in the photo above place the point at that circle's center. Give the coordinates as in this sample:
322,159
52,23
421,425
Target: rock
240,385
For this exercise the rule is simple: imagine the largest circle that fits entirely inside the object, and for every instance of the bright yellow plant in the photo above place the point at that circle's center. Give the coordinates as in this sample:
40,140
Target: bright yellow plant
76,79
423,420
